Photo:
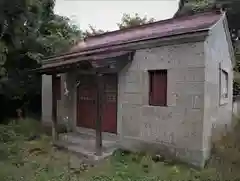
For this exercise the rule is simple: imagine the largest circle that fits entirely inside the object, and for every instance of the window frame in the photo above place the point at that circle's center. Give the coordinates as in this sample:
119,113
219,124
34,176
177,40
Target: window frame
153,101
223,99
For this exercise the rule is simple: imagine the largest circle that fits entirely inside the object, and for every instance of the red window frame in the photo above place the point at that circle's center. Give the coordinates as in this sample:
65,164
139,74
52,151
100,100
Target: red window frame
158,87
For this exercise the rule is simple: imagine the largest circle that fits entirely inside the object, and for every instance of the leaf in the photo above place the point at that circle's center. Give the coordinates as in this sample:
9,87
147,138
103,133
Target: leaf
135,20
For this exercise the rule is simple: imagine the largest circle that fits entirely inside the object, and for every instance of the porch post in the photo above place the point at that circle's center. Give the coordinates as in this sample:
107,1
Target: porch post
54,109
99,115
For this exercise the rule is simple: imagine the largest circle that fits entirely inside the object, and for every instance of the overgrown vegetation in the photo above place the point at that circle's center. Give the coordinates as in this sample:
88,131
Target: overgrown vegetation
26,153
29,31
223,165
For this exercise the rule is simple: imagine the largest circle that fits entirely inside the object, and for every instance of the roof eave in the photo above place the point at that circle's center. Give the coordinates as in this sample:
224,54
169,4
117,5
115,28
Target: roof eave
193,36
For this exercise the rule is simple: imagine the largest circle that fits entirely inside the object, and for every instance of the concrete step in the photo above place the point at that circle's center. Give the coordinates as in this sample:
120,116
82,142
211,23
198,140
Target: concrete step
86,154
86,140
83,146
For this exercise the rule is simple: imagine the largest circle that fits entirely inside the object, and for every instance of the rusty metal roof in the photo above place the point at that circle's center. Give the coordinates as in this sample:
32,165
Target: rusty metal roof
102,44
94,60
160,29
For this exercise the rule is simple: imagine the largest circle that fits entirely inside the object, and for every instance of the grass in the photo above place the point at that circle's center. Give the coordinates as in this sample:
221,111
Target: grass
30,160
37,160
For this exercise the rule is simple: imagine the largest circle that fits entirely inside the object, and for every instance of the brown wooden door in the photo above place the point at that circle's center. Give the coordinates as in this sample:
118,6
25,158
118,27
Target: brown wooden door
109,106
87,103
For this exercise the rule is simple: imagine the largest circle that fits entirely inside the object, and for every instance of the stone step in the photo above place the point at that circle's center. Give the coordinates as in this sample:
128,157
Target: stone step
86,154
83,145
86,140
92,133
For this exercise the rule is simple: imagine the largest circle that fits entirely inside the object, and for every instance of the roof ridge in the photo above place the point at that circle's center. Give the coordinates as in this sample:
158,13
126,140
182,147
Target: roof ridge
158,29
187,17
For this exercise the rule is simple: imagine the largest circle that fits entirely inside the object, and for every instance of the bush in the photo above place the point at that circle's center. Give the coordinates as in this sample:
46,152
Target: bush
17,130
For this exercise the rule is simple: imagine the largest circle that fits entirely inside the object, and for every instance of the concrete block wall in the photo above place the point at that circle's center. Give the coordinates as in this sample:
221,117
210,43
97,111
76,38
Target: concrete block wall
178,127
47,100
217,116
65,106
69,102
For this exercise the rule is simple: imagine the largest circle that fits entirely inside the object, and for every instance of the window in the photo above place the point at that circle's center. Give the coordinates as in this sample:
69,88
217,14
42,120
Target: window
158,88
223,85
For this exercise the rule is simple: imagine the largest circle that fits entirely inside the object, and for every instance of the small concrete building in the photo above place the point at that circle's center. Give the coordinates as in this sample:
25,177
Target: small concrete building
164,87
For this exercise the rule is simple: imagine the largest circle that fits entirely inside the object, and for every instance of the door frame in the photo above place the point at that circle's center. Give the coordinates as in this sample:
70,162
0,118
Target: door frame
90,130
77,102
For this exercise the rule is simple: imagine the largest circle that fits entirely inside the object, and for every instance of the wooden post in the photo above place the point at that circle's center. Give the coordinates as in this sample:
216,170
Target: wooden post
99,115
54,109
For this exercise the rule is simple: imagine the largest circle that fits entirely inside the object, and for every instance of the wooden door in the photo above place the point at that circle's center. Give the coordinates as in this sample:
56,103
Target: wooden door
87,102
109,104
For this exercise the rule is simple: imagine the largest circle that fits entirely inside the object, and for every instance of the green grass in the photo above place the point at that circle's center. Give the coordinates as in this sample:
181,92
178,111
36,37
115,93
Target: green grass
223,165
135,167
37,160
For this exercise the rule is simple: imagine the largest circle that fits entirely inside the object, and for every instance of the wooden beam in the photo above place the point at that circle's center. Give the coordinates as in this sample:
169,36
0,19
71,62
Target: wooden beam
99,114
86,72
54,109
93,72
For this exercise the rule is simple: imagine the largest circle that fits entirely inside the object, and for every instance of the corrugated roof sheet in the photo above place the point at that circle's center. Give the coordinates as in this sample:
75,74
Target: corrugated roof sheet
160,29
94,59
93,47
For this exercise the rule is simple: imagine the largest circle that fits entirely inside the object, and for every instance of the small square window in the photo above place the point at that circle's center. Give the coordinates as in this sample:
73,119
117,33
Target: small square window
158,88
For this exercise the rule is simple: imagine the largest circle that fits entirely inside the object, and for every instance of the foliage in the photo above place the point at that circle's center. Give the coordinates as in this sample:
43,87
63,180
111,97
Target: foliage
126,22
18,129
189,7
92,32
37,160
232,7
29,30
223,165
135,20
34,160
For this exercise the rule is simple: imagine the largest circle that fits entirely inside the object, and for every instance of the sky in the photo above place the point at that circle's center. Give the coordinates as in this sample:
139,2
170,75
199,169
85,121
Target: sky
106,14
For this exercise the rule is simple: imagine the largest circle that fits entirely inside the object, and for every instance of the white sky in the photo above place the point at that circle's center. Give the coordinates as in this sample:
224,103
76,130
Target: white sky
106,14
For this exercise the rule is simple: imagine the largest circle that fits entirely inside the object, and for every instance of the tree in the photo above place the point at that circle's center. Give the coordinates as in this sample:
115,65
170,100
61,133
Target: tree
135,20
29,30
92,32
189,7
232,7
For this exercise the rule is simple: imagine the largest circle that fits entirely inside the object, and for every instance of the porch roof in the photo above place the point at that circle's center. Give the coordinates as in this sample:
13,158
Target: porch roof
92,63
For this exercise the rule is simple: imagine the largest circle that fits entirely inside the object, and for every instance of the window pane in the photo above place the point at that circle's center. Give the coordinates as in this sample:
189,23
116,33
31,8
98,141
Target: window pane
158,88
224,84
